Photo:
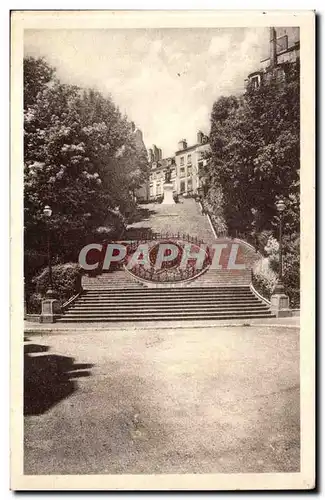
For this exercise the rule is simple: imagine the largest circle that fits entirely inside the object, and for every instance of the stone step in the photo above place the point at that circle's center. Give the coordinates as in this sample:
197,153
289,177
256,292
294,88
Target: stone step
169,290
167,317
170,307
166,301
157,300
166,298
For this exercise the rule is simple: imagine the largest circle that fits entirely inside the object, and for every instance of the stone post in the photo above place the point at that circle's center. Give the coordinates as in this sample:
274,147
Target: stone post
51,309
168,194
280,304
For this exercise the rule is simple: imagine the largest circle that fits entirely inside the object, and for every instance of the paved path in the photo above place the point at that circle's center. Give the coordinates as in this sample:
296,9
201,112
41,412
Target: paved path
184,218
163,401
33,327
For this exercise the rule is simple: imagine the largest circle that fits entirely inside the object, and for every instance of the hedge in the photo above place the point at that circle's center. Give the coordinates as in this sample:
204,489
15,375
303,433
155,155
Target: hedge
66,281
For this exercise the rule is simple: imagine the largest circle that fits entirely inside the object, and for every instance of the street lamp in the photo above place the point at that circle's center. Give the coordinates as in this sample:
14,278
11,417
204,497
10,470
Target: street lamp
280,206
47,211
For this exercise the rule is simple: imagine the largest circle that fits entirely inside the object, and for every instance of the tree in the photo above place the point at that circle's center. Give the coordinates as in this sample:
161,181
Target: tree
37,74
75,159
255,151
255,160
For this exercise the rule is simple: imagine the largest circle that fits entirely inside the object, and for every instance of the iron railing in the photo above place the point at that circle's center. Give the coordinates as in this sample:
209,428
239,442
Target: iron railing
165,275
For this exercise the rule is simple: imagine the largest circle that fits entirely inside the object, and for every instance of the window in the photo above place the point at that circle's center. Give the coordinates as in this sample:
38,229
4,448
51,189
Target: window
182,172
280,76
189,185
189,170
182,160
189,159
158,189
255,81
182,187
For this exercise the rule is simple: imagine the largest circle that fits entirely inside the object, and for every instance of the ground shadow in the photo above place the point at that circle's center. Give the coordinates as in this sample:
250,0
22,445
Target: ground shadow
141,214
139,233
48,378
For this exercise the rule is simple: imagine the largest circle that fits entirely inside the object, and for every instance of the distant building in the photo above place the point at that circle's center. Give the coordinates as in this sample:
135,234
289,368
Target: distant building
185,167
284,47
189,160
158,171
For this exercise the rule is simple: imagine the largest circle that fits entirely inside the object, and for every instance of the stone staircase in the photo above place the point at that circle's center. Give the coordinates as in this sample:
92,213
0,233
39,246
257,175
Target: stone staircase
121,279
115,280
215,294
166,304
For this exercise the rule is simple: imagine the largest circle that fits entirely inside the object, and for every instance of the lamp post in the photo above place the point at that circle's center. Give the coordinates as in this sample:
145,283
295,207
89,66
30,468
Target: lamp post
47,211
280,206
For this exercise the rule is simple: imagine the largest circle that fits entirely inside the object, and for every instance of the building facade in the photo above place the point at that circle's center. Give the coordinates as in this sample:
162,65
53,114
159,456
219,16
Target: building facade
157,175
284,47
185,166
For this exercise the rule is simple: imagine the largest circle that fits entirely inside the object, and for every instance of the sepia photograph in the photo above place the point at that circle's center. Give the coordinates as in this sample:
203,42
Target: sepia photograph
163,173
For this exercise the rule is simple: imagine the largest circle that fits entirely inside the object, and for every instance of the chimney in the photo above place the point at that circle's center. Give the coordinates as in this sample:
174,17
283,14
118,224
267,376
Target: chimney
159,154
199,137
155,153
182,144
273,54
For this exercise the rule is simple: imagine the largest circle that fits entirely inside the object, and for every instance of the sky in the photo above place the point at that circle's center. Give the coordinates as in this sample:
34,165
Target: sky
166,80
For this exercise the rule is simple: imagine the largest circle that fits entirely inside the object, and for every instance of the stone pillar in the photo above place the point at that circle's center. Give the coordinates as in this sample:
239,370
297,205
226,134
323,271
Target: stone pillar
168,194
51,309
279,302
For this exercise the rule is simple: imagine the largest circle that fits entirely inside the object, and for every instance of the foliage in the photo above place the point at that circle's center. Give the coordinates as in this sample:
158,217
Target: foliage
81,157
213,205
66,282
255,153
264,278
37,74
291,269
255,160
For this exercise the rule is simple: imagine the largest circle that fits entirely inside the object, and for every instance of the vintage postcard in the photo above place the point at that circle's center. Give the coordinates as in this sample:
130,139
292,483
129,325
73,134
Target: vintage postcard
162,227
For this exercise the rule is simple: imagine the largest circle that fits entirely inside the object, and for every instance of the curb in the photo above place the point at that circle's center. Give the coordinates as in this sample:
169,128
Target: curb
60,331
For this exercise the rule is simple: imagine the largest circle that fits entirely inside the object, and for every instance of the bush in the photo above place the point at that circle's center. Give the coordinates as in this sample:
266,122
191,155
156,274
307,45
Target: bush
213,205
272,251
291,270
66,281
157,199
34,302
264,278
262,240
291,265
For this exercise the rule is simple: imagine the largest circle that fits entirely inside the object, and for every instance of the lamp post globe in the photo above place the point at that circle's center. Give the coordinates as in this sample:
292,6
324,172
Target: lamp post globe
280,206
47,211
